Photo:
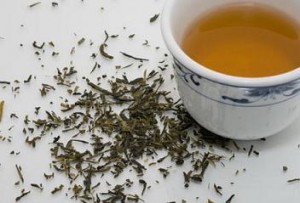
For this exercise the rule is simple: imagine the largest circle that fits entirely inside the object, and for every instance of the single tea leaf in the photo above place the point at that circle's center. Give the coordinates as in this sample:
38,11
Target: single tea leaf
1,109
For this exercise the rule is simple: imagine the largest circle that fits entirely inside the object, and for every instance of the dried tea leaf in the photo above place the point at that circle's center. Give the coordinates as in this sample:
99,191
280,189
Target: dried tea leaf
81,41
103,52
57,189
294,180
148,121
49,176
54,4
22,195
38,186
19,170
28,79
230,199
5,82
134,57
1,109
32,142
144,183
131,36
154,18
35,45
218,189
250,150
34,4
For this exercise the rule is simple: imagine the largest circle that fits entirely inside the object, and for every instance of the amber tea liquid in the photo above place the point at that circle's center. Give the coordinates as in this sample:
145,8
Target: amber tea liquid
246,40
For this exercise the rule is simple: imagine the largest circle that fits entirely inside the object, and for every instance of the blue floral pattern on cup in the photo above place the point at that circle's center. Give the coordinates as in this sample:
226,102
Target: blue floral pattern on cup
237,95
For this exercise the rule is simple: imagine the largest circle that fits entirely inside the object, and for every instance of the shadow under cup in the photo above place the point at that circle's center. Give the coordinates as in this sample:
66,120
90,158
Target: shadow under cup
233,107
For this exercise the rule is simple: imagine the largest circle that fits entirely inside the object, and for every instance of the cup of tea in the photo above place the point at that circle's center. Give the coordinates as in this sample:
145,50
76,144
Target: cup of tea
236,63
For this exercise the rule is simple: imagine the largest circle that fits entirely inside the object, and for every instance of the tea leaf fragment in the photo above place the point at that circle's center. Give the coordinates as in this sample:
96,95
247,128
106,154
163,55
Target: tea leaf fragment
23,194
19,170
5,82
57,189
103,51
154,18
38,186
230,198
294,180
34,4
81,41
1,109
134,57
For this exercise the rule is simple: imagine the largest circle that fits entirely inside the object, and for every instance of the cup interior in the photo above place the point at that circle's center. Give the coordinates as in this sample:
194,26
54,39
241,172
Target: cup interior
178,15
183,13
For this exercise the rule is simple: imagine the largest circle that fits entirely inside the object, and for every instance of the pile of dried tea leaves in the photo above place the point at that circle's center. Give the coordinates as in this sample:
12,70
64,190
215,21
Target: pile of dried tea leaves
112,130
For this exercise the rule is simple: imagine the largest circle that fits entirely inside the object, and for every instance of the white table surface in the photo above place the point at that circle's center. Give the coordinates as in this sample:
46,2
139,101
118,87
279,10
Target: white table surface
263,181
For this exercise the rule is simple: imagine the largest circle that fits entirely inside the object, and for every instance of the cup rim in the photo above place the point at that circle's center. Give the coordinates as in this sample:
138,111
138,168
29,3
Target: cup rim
212,75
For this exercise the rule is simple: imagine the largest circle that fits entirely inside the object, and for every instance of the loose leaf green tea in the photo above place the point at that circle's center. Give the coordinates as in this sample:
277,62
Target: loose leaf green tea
149,121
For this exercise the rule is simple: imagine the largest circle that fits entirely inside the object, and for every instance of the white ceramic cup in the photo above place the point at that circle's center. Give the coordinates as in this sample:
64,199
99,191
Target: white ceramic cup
234,107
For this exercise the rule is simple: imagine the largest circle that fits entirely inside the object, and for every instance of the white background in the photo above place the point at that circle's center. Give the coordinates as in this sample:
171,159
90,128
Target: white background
263,181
